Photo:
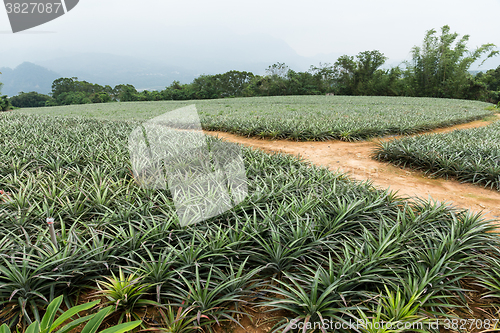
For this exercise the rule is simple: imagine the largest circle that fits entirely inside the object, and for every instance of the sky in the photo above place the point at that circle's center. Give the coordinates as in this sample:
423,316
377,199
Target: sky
315,30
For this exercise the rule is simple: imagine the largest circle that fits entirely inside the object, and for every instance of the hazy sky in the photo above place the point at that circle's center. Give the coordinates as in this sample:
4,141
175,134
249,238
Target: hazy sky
156,27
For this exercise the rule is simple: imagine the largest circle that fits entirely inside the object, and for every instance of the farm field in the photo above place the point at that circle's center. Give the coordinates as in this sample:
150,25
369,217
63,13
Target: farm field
356,160
471,155
299,117
306,243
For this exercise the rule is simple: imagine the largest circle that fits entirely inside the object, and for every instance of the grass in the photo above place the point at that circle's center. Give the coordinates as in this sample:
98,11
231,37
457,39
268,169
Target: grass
299,117
471,155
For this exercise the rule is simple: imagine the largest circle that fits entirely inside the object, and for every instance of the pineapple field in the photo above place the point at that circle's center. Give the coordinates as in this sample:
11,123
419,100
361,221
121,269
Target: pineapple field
307,250
303,118
471,155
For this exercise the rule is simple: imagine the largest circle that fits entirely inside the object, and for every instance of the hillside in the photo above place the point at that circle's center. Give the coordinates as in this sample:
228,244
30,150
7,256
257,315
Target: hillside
27,77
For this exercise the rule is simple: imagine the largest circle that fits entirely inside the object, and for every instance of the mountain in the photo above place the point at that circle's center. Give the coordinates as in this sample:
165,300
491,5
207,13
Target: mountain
153,62
109,69
27,77
181,60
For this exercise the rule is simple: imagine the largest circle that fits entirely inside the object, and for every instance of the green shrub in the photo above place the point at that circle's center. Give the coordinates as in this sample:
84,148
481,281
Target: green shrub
4,103
30,100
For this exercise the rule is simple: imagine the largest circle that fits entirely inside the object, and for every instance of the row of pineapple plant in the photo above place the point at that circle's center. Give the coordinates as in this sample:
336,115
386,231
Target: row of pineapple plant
301,118
305,244
346,261
471,155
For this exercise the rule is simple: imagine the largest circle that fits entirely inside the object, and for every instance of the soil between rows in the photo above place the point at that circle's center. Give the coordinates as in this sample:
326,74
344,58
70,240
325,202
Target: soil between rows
355,159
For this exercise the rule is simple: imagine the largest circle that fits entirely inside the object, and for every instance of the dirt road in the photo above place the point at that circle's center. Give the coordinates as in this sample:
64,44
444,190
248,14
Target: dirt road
355,159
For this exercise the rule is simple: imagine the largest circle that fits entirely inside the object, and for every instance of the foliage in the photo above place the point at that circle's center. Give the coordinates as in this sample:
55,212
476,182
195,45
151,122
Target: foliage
125,93
178,321
126,294
67,91
32,276
492,81
100,97
324,75
178,91
471,155
308,302
49,323
4,103
30,100
69,98
363,76
491,78
326,244
234,83
392,308
439,67
229,84
208,299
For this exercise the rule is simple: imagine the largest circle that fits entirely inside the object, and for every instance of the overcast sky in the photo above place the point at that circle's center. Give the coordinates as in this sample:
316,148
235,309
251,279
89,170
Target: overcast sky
314,28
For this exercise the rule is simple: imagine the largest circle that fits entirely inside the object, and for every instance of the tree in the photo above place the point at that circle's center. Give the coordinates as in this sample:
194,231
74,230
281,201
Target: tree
324,76
361,75
206,87
344,69
234,83
72,91
301,83
125,93
63,85
30,100
492,81
177,91
491,78
100,97
439,67
274,83
73,97
4,101
278,69
367,67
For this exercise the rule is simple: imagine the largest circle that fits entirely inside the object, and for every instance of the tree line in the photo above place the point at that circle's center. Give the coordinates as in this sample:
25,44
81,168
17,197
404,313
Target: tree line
439,68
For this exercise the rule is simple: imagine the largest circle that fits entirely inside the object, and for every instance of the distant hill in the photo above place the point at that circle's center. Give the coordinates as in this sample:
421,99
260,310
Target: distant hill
109,69
103,69
27,77
175,58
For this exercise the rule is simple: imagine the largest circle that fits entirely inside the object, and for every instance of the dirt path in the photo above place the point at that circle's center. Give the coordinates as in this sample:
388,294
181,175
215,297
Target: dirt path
355,158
